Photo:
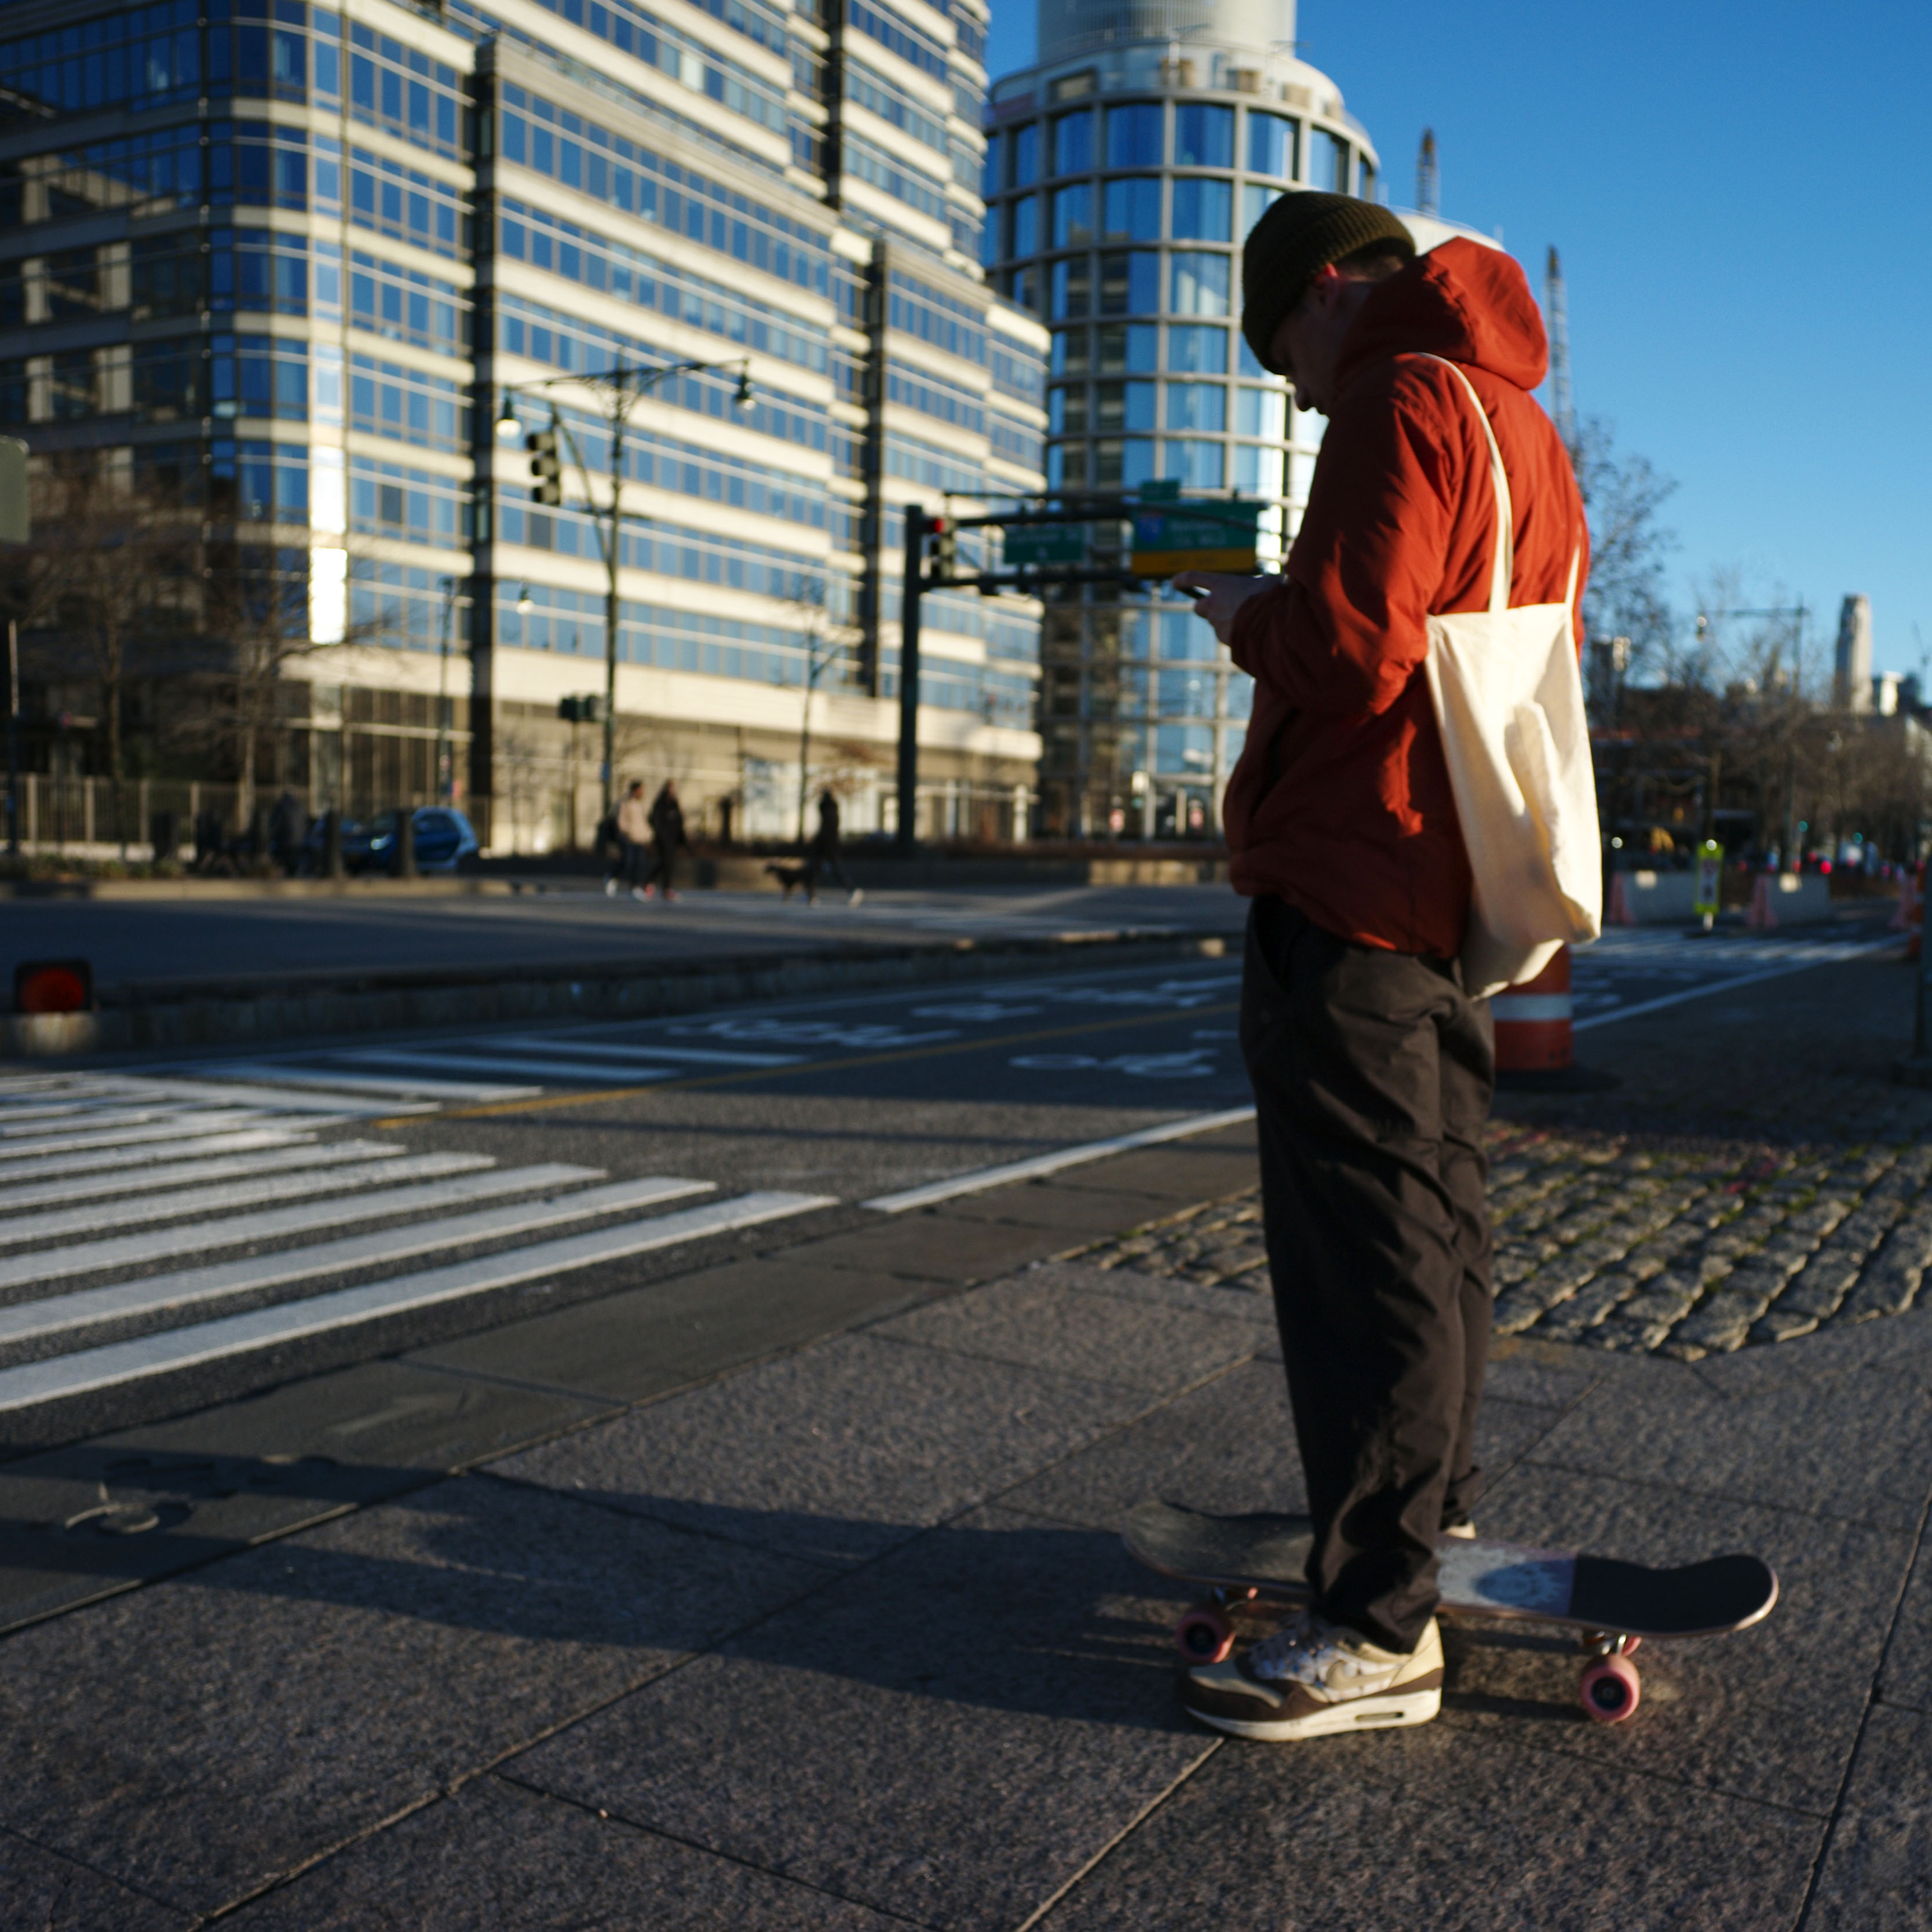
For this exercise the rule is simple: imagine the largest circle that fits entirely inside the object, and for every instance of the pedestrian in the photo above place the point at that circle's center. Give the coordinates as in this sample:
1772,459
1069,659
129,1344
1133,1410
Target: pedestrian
822,855
1372,1068
628,831
666,826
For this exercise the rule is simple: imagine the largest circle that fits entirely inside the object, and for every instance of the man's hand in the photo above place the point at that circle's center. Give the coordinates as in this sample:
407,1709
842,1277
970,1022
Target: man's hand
1221,597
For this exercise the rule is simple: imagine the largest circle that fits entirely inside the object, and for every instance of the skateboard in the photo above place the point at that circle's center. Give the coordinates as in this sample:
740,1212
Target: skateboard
1613,1605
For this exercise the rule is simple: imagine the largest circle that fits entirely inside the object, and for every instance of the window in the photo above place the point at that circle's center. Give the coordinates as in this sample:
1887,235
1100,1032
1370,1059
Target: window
1203,137
1023,236
1026,155
1261,412
1255,201
1066,413
1119,406
1073,216
1257,469
1198,284
1133,136
1274,145
1130,282
1073,142
1328,161
1365,185
1196,351
1128,348
1072,287
990,183
1069,355
1308,428
1198,405
1133,211
1204,209
1123,462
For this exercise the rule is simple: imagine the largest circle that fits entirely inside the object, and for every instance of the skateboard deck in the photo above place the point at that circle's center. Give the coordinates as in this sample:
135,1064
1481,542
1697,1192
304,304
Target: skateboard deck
1614,1604
1270,1553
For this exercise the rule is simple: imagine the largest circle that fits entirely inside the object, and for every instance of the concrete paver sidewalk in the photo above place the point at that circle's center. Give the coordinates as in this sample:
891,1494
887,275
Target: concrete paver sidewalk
846,1638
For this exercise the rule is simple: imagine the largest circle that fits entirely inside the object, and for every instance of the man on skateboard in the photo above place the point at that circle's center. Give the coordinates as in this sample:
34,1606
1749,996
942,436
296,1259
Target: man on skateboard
1372,1067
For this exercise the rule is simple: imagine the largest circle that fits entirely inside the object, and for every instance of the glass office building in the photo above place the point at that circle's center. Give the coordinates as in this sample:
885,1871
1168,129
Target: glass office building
285,259
1122,172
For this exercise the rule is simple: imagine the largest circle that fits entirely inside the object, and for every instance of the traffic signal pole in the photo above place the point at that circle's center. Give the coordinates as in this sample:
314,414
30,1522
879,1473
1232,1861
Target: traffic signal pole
914,584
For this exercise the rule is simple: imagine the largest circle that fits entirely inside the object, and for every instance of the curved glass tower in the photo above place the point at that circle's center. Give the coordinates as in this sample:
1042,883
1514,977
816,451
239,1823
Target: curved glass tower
1122,172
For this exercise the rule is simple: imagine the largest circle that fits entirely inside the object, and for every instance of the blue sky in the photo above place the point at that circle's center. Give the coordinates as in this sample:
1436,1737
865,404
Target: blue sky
1736,192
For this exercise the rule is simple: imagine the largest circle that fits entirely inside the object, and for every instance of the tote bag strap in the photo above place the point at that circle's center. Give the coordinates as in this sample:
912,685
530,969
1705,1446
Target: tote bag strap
1502,570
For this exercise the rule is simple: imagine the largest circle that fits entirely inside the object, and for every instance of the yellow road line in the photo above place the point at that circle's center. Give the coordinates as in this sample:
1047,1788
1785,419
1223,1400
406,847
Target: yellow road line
550,1101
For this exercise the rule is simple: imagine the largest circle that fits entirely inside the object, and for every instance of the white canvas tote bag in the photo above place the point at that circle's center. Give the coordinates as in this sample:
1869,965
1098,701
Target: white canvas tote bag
1510,703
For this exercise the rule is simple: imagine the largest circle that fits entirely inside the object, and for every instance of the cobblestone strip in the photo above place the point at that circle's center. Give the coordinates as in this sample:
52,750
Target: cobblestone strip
1654,1246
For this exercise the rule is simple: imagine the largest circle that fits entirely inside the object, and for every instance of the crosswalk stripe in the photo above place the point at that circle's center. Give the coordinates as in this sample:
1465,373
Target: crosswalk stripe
120,1362
155,1244
282,1100
477,1063
189,1288
116,1179
268,1071
117,1159
186,1126
221,1198
696,1056
114,1117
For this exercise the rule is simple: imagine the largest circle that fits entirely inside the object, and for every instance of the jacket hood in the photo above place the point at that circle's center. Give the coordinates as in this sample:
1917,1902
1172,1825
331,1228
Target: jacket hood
1465,302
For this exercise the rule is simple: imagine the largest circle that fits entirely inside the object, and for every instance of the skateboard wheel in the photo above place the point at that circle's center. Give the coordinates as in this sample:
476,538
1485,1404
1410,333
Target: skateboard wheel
1203,1635
1610,1689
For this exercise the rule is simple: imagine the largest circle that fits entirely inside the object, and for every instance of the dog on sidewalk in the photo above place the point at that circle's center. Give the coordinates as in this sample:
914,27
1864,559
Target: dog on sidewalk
792,878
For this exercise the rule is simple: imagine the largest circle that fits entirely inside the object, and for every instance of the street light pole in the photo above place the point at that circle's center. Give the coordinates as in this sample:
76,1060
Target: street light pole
619,389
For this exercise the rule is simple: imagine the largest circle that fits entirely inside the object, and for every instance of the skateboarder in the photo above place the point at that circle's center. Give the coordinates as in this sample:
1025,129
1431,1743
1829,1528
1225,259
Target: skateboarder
1372,1068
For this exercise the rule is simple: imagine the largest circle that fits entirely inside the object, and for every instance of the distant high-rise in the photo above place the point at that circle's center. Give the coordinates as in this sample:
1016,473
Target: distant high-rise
1852,669
1428,190
1123,170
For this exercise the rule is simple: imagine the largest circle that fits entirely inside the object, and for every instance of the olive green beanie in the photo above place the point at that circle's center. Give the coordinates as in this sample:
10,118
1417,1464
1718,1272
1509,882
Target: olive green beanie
1292,243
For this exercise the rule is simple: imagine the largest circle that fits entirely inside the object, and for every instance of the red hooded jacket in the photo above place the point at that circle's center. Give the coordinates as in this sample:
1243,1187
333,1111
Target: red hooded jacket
1341,804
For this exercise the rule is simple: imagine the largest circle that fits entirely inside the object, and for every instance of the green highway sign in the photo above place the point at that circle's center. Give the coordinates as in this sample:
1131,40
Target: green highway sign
1200,535
1045,543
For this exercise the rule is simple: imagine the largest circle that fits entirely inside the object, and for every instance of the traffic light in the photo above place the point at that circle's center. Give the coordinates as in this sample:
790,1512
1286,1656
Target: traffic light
586,710
945,549
546,472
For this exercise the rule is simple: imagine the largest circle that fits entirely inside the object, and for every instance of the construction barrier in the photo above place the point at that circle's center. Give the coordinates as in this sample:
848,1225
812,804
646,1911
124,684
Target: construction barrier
1789,898
1909,919
1652,898
1534,1022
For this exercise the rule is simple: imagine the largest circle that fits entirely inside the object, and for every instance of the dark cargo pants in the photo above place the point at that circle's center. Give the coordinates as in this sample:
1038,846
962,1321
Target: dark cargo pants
1372,1072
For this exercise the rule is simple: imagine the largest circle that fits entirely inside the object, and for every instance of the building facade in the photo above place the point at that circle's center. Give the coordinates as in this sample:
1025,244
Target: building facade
290,262
1123,172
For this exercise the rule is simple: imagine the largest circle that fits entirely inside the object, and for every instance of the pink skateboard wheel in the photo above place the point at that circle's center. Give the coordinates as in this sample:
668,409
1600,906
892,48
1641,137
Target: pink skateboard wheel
1203,1635
1610,1689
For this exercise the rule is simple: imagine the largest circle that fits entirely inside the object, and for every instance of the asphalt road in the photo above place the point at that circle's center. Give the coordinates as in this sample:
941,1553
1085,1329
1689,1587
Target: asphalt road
174,1233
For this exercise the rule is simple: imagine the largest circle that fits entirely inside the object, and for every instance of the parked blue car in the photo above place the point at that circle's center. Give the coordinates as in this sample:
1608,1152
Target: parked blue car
445,842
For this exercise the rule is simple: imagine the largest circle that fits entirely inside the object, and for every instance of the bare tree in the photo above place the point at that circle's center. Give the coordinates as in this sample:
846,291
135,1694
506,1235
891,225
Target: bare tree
1622,493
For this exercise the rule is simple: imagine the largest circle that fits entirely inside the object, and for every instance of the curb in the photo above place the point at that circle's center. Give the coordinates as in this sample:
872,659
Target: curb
243,1016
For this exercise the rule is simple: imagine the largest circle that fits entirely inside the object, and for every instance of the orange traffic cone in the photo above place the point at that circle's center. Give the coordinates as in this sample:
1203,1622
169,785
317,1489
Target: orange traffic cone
1535,1034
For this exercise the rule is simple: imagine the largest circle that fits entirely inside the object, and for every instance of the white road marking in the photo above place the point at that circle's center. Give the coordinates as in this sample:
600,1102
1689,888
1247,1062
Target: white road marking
146,1209
116,1179
1810,956
119,1159
364,1083
282,1100
187,1125
188,1287
156,1243
1052,1163
117,1362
